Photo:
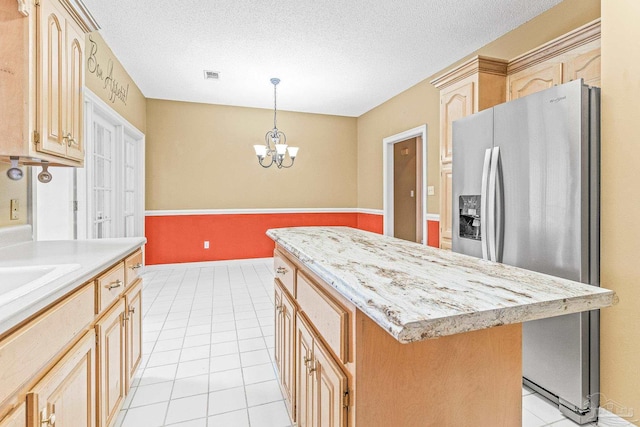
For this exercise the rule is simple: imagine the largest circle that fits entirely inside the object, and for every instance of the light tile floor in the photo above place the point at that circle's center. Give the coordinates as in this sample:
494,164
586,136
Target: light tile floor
208,352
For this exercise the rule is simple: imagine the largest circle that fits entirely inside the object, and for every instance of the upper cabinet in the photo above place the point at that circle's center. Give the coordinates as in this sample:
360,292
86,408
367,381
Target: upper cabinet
471,87
43,77
573,56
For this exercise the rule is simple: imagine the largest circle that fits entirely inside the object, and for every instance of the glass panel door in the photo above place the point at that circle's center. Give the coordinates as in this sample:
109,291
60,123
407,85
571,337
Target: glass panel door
130,186
103,179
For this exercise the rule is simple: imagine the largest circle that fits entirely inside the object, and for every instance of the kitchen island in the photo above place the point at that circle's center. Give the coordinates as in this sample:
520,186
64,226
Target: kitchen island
375,331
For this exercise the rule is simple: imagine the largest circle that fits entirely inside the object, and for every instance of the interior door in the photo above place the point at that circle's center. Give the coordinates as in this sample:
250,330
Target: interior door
405,194
103,179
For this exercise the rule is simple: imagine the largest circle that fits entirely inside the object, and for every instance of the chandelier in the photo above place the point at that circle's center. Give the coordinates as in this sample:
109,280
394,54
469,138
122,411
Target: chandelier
275,143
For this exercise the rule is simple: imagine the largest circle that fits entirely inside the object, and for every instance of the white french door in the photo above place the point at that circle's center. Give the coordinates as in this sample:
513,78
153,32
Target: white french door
111,186
103,183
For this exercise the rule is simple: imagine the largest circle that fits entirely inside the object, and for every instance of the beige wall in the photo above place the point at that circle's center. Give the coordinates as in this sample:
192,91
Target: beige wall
620,329
106,77
420,104
200,156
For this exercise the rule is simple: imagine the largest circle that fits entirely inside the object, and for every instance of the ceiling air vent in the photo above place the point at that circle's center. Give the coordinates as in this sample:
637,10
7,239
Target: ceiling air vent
211,75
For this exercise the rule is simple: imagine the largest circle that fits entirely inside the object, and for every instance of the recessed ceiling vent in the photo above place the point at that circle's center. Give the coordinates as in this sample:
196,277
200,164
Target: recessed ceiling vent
211,75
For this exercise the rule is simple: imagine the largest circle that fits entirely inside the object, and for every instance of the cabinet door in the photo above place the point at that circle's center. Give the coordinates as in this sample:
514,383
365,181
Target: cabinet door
50,77
111,363
585,66
17,418
65,396
455,102
534,79
133,299
305,390
287,376
73,108
446,206
331,386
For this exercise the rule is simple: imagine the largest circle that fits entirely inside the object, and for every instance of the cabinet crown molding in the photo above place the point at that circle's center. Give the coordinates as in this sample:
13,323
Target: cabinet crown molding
476,65
81,15
556,47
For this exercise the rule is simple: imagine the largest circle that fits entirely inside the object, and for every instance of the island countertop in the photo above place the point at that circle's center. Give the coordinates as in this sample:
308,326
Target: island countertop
416,292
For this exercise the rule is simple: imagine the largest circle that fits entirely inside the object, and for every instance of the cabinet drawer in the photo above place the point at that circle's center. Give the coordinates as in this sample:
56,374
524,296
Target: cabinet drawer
109,287
32,347
132,266
285,271
327,315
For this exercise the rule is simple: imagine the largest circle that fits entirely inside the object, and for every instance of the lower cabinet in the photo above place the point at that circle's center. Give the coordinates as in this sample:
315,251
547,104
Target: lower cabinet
322,385
72,363
111,362
285,345
133,319
66,395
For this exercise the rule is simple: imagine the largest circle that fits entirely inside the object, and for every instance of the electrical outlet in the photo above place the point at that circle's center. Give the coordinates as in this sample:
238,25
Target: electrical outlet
431,190
15,209
206,244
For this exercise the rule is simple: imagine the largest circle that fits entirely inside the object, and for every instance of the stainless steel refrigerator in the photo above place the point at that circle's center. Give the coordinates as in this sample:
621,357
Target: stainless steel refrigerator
526,193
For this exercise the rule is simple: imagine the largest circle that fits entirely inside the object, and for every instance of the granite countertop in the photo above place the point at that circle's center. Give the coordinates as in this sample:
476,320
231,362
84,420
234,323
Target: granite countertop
92,256
416,292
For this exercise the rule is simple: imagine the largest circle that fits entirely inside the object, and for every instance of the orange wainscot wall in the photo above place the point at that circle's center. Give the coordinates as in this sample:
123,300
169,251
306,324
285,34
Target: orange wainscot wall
180,238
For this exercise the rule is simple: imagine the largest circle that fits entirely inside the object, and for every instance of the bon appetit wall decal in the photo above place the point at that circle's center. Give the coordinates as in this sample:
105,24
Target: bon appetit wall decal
115,89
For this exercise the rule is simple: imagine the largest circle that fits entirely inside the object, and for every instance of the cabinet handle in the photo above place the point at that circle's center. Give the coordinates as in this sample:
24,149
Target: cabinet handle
132,310
311,370
281,270
51,421
70,140
306,361
115,284
134,267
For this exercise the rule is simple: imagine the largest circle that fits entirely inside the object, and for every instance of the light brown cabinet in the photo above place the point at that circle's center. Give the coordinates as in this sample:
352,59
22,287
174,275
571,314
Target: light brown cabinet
473,86
44,60
133,342
383,382
60,77
65,396
534,79
111,363
284,345
322,399
72,360
309,358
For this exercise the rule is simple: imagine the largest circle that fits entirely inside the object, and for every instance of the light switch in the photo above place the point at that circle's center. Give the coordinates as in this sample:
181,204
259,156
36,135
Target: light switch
14,209
412,194
431,190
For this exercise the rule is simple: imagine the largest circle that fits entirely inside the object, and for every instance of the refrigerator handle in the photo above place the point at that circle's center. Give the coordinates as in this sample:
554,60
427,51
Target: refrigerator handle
491,219
484,206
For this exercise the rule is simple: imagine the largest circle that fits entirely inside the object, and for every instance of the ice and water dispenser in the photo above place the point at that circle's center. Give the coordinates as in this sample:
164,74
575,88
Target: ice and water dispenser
470,218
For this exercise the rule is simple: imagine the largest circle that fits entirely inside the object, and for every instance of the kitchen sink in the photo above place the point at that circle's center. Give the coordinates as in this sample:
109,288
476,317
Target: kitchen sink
16,282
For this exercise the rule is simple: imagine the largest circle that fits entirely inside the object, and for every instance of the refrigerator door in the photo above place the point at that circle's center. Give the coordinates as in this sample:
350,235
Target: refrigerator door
472,139
544,148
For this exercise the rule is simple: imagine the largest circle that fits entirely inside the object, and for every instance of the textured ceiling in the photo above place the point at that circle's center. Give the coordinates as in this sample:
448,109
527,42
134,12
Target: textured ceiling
333,56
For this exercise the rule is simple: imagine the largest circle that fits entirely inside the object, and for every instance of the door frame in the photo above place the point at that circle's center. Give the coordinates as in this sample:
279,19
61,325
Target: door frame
387,178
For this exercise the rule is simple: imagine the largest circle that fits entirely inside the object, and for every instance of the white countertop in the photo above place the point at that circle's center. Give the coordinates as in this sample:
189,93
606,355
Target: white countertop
93,256
416,292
